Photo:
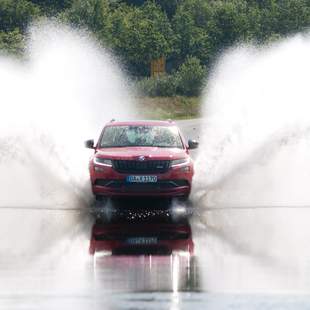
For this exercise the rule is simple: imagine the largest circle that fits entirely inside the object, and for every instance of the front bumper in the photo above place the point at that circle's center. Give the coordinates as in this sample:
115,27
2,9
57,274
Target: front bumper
173,183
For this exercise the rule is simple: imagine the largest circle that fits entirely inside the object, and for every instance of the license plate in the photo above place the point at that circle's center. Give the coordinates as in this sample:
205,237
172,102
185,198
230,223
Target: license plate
141,179
142,240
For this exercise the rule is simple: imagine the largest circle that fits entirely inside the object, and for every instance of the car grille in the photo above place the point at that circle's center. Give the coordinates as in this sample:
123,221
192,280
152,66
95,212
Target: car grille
141,167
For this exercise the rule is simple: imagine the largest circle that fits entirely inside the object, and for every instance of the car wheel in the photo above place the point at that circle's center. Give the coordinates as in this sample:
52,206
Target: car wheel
99,198
183,198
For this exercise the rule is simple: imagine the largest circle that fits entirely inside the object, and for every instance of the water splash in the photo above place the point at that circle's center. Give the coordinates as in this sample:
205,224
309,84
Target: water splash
61,94
255,152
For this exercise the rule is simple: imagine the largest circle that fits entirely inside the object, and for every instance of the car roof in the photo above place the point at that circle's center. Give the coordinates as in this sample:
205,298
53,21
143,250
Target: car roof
142,123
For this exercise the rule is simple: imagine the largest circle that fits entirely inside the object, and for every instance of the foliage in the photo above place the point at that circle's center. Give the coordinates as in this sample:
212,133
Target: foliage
190,77
17,14
187,81
189,33
284,17
90,14
162,86
168,6
192,23
51,7
139,34
12,42
176,107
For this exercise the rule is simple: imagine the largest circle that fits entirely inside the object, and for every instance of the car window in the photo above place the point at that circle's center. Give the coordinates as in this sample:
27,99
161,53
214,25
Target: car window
158,136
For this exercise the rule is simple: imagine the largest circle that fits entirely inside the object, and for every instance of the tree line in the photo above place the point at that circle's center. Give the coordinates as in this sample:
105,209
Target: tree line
190,34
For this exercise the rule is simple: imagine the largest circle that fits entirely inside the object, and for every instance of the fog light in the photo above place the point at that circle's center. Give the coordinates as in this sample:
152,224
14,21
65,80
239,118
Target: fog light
99,169
185,169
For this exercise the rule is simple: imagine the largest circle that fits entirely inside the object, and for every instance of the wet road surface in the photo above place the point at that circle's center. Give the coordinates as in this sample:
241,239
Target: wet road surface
45,264
45,261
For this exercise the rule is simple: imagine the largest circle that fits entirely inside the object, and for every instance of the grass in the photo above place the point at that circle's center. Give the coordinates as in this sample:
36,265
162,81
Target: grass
169,107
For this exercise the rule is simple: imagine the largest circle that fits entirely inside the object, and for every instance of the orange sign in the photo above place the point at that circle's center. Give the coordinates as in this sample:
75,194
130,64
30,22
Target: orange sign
158,66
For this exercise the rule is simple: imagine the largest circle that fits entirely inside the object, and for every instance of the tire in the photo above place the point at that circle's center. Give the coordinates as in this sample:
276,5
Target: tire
183,198
99,198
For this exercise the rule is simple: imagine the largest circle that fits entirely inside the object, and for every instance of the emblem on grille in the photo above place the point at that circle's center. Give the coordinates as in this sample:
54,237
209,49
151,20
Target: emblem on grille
141,158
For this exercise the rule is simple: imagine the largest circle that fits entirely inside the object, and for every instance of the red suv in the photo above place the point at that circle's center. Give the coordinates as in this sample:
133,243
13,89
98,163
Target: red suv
141,158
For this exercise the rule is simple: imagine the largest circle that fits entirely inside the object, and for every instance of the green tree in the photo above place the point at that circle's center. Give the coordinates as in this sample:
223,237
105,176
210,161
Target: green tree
168,6
17,14
133,2
231,22
190,77
141,30
12,42
284,17
139,35
160,86
192,23
91,14
52,7
204,28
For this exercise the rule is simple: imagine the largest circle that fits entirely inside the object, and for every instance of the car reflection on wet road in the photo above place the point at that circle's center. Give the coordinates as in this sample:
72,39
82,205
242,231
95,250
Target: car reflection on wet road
153,252
144,249
146,273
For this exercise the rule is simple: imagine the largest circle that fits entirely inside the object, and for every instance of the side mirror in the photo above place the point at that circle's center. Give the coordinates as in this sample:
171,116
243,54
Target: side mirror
192,144
89,144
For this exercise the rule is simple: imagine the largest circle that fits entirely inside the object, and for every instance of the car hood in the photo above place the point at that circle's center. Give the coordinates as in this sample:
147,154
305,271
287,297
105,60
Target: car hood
132,153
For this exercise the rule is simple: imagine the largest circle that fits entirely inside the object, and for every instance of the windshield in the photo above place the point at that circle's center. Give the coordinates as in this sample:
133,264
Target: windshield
158,136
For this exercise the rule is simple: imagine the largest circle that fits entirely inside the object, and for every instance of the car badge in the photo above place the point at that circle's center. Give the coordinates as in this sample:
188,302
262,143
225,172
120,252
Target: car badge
141,158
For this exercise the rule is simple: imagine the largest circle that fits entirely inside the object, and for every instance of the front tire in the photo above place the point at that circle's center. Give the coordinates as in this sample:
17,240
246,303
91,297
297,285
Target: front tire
100,198
183,198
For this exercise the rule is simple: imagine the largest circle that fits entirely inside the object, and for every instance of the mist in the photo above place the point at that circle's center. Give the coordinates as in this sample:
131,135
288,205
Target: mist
254,170
61,93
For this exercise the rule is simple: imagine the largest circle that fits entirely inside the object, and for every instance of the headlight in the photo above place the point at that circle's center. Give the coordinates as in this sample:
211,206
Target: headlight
179,162
103,161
